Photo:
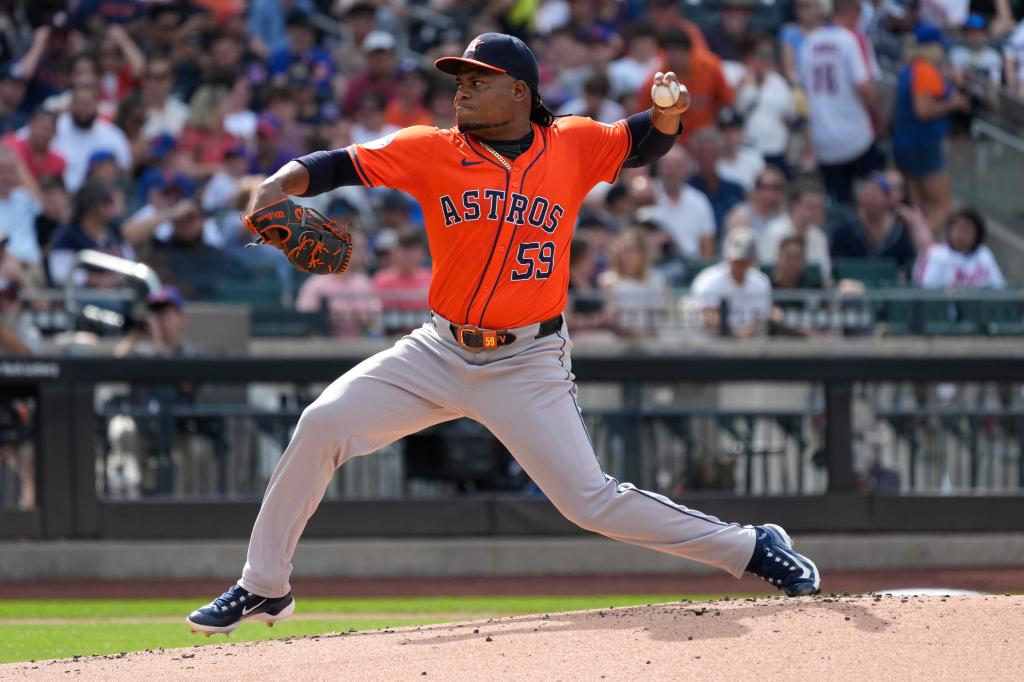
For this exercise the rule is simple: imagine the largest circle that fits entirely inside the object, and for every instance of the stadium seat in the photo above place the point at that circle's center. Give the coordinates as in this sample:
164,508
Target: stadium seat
290,323
875,274
255,294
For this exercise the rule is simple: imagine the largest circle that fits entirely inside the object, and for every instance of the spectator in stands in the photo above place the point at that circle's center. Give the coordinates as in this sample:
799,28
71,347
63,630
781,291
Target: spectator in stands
379,77
595,102
702,73
767,200
369,119
80,133
402,285
962,261
94,225
271,150
19,337
267,25
55,211
804,220
35,147
12,94
790,269
187,261
634,292
765,100
350,297
120,64
10,266
739,163
585,311
873,230
975,60
165,113
707,146
924,101
204,138
791,37
409,106
736,282
1014,60
627,73
681,210
838,72
727,36
165,202
667,16
303,55
162,333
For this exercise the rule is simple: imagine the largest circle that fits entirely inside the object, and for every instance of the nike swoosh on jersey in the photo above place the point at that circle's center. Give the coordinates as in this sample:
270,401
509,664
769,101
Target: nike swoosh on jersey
247,611
466,162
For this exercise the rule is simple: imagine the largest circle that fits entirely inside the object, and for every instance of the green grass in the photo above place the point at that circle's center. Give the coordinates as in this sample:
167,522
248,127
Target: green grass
159,623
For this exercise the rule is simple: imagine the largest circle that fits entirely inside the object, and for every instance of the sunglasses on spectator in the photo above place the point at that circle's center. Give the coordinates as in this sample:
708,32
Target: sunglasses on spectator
160,75
774,186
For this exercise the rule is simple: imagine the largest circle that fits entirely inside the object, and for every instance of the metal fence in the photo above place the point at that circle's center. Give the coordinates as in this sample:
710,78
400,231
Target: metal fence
184,447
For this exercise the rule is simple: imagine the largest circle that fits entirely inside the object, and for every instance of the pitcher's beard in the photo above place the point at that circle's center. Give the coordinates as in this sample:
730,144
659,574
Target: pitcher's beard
477,126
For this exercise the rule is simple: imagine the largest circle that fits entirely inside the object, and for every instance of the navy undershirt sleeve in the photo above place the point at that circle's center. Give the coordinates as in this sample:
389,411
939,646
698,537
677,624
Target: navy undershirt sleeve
649,143
327,170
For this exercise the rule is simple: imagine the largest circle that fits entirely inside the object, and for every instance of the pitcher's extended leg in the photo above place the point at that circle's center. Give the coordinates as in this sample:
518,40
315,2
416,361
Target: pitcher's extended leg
392,394
538,421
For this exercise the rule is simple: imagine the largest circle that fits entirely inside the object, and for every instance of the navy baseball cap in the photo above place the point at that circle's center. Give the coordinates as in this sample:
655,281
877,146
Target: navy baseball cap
504,54
496,52
164,296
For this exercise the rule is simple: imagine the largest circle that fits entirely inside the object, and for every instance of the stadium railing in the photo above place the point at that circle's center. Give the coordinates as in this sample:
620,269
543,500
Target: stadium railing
816,438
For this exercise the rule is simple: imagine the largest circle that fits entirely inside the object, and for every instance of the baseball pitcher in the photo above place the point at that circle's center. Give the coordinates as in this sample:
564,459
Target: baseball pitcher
499,193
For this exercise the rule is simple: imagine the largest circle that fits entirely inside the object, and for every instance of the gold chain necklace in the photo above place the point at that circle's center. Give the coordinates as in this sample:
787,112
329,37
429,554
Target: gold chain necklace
499,157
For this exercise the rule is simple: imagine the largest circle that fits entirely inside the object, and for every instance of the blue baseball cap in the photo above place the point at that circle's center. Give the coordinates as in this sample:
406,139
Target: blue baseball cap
101,155
496,52
975,22
925,34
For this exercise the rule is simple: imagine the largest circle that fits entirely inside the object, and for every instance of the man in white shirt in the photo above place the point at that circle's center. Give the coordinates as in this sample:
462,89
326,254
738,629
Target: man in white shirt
628,73
837,70
80,133
165,114
736,282
740,164
765,99
18,211
683,211
805,217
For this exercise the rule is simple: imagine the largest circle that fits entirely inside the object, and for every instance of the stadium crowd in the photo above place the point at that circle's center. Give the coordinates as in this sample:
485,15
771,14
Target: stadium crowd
141,128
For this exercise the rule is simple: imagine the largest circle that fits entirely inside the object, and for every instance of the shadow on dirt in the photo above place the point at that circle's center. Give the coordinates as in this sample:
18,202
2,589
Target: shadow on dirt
673,622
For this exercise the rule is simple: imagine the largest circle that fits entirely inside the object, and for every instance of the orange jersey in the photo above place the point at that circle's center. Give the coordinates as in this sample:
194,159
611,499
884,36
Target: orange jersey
499,238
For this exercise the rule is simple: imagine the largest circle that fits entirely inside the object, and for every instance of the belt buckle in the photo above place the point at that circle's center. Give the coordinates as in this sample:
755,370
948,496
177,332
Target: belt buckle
489,337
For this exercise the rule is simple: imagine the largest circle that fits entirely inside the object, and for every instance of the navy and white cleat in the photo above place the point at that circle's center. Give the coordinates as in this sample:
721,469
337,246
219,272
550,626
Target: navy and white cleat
776,562
231,609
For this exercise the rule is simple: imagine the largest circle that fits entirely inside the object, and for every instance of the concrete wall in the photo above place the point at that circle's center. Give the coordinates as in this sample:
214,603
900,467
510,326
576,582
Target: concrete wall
477,557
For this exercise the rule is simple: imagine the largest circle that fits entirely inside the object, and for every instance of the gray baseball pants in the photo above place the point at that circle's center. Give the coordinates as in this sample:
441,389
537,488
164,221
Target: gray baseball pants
525,395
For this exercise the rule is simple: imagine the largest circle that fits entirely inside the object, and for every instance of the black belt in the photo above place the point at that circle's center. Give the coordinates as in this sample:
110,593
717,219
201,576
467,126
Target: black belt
469,336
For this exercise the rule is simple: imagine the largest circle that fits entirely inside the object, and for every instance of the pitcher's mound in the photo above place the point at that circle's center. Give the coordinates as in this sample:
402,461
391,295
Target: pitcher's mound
863,637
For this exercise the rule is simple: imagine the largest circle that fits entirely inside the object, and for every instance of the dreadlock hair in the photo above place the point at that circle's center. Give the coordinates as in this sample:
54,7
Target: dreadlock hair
540,114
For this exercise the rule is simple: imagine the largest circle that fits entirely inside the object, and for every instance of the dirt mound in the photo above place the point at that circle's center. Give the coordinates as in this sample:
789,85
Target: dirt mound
863,637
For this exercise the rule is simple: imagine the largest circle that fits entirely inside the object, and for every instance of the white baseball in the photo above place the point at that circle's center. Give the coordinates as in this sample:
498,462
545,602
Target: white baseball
665,95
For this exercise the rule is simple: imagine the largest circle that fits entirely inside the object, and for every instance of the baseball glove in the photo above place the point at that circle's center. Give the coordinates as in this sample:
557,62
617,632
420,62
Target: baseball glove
312,242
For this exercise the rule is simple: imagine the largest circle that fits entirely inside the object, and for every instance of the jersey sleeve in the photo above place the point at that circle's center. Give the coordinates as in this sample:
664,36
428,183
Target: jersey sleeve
601,148
855,60
396,160
926,79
